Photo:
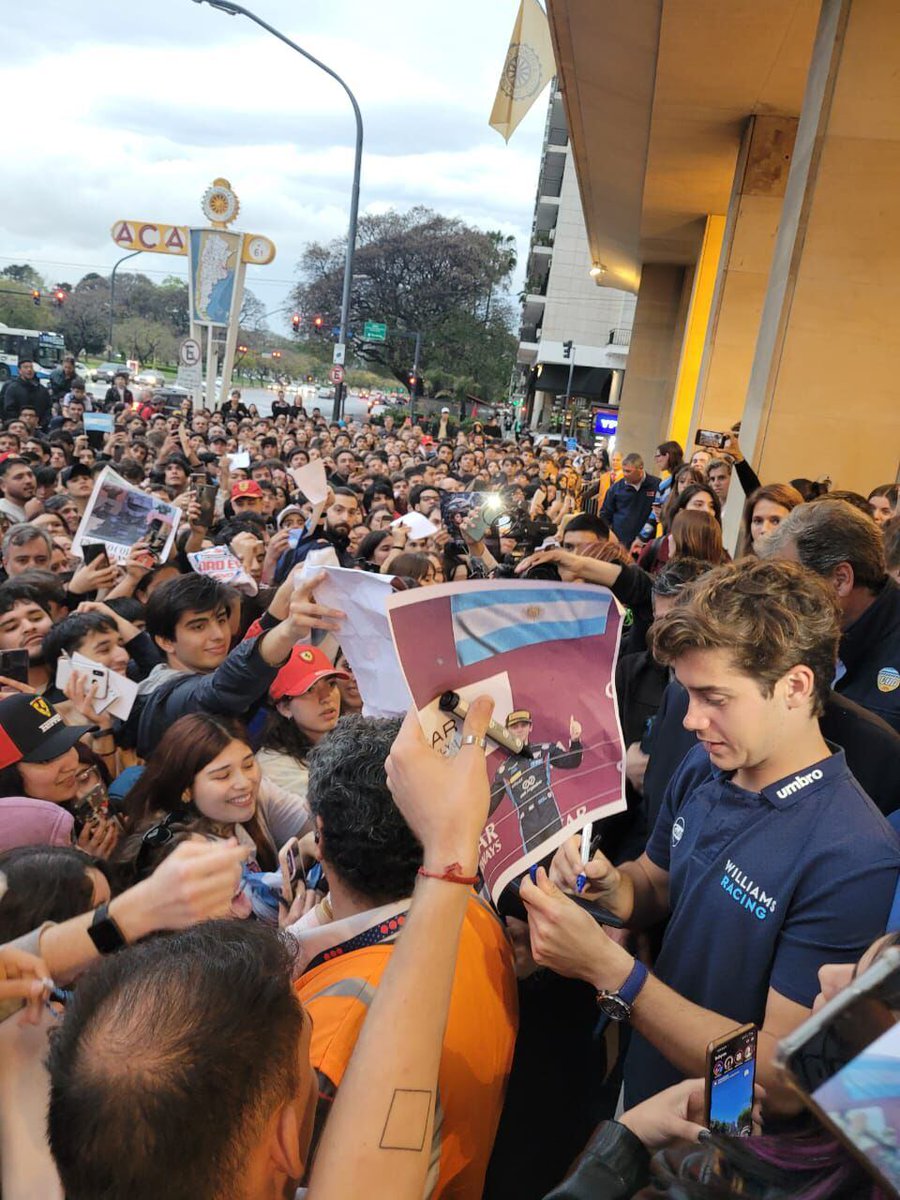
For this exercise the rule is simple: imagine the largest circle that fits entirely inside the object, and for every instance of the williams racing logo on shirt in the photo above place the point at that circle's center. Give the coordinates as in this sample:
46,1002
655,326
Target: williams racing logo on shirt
747,892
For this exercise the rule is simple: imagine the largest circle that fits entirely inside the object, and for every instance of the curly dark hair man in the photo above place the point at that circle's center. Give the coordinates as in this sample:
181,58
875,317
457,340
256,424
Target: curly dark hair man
364,840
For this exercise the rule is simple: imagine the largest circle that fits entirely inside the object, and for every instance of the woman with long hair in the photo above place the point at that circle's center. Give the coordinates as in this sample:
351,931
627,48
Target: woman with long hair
697,534
764,510
306,704
694,497
203,776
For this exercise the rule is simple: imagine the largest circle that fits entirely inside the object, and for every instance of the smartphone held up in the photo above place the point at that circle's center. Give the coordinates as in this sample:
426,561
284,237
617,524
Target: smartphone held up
730,1079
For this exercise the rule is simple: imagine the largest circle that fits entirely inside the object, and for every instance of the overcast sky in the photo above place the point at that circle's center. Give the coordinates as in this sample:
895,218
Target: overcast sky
131,110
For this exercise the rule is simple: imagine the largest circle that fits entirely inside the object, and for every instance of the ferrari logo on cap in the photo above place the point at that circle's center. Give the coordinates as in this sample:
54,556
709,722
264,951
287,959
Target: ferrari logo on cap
40,705
306,655
243,485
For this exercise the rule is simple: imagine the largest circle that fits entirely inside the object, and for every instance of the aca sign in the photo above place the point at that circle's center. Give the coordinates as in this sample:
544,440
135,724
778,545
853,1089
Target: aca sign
148,235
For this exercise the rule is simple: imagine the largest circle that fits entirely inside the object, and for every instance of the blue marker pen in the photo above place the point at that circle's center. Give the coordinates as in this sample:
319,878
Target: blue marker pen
586,835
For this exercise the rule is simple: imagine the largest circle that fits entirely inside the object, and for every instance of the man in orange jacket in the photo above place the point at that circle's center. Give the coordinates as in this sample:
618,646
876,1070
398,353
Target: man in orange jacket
371,858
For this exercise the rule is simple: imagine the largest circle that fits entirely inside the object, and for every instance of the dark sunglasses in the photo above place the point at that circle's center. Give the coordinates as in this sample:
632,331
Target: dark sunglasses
159,835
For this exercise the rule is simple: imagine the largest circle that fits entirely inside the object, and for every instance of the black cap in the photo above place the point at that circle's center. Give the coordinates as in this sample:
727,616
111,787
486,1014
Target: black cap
75,470
33,731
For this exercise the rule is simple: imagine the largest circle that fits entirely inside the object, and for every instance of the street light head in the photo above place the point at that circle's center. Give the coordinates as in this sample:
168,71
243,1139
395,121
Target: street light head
222,5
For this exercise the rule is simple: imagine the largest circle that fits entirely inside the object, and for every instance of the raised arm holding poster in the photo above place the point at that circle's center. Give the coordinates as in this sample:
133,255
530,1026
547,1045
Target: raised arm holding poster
119,515
545,653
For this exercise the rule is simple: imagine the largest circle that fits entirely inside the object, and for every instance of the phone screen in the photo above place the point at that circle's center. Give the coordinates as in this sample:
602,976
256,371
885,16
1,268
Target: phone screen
14,665
711,439
848,1066
731,1072
94,550
207,498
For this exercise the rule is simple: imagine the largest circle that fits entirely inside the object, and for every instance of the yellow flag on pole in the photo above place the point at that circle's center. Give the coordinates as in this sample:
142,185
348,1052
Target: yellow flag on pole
528,69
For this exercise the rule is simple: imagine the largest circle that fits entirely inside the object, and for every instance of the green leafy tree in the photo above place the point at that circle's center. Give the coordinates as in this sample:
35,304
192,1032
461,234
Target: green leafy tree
420,270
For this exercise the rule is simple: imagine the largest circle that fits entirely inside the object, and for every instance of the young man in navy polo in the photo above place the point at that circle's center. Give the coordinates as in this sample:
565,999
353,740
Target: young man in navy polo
767,857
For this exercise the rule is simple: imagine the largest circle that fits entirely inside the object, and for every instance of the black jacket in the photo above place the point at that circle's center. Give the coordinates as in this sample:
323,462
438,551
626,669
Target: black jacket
61,383
233,689
25,393
871,746
869,654
626,508
613,1166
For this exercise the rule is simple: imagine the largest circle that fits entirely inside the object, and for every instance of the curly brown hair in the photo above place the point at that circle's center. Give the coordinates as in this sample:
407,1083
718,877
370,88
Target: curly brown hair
769,616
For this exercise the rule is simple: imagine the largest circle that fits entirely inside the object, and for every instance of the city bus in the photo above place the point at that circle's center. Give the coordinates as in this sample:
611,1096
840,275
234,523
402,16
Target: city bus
48,349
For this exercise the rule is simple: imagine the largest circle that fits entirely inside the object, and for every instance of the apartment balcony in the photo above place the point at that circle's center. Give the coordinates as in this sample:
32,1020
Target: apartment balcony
538,260
546,213
550,176
620,336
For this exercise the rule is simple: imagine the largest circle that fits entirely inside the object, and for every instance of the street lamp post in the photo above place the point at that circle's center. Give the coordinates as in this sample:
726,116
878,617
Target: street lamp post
112,295
234,10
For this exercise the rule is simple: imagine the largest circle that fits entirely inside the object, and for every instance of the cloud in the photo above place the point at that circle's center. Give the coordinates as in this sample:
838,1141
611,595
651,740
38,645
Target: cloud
133,110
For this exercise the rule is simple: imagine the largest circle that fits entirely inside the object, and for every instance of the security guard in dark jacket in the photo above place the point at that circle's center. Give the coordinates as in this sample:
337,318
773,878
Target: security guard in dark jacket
25,392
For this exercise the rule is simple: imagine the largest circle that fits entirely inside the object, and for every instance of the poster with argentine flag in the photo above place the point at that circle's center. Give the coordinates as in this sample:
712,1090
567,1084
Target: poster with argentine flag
545,652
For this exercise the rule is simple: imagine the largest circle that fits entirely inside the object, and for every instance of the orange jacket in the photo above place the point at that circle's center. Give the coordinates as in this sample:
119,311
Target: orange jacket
478,1043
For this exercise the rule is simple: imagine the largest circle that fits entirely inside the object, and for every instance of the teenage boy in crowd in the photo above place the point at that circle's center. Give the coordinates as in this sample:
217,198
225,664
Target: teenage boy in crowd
188,618
767,858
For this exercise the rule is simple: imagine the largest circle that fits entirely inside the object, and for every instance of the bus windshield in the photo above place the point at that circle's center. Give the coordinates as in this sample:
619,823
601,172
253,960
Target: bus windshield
47,349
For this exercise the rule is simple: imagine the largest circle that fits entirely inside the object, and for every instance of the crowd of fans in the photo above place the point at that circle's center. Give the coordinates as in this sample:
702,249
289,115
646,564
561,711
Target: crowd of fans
190,1030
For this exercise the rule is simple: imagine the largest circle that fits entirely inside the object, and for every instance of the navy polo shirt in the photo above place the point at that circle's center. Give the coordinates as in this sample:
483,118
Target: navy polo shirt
763,889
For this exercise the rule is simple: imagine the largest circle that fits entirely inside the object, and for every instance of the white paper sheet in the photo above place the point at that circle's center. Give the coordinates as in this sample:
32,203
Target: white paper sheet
365,637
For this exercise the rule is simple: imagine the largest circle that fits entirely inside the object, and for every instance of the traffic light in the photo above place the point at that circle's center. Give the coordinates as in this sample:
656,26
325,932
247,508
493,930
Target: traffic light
310,378
59,297
567,349
295,322
36,297
318,322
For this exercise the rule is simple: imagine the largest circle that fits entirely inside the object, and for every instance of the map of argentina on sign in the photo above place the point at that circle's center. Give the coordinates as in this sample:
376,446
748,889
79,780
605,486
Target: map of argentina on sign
215,255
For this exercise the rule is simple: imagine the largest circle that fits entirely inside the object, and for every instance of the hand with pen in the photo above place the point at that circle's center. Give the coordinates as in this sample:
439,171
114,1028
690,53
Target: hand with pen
602,882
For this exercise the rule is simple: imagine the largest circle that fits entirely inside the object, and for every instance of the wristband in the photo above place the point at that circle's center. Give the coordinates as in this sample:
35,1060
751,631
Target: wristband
450,875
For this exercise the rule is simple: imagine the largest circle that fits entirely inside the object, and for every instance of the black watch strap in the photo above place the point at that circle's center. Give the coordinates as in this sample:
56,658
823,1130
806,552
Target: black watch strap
105,933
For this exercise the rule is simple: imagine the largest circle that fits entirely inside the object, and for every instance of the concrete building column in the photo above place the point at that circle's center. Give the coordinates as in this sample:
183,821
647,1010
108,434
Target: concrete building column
751,226
823,391
653,356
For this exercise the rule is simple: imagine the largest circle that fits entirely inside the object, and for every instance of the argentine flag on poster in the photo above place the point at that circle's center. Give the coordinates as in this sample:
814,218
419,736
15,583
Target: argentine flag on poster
492,622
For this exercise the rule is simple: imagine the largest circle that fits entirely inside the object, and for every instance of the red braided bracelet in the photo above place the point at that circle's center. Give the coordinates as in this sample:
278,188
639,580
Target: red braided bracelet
450,875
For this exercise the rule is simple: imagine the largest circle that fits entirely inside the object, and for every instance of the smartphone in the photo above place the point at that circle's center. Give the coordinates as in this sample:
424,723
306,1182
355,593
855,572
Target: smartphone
93,550
99,678
94,803
14,665
730,1075
207,497
712,440
198,480
292,871
844,1061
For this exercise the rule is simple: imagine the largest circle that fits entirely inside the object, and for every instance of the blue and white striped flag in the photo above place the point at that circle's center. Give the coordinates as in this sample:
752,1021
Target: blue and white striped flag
491,622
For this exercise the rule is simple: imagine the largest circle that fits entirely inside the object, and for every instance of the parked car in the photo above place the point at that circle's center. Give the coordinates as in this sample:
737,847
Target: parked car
107,372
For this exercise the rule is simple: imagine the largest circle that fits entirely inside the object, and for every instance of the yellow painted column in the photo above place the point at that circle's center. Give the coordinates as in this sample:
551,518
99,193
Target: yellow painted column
695,330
